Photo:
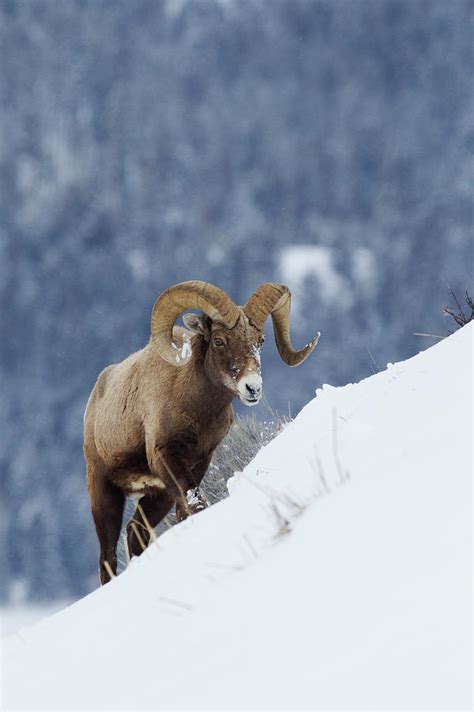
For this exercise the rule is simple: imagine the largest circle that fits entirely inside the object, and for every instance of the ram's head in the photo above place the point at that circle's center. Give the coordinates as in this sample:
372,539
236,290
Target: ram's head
233,334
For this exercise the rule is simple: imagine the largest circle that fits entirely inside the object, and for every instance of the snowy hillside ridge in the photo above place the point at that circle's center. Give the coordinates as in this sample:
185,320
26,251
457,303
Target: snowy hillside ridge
335,576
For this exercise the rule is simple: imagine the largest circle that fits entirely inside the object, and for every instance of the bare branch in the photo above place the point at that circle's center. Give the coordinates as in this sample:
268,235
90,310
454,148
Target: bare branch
460,317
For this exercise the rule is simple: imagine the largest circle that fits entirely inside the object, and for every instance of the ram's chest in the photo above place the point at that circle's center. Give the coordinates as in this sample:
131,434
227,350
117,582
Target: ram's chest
208,441
200,435
214,432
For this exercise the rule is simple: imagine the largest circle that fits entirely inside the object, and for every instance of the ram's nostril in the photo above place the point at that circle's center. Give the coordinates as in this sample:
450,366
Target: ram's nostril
252,389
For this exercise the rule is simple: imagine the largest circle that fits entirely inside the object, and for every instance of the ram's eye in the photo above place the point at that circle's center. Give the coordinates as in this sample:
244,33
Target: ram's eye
218,341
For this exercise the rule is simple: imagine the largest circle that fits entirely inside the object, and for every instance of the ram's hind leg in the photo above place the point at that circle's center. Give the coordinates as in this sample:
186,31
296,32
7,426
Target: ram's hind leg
107,504
155,508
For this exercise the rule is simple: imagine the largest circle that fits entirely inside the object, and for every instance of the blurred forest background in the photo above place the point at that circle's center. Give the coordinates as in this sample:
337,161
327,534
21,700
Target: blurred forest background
326,144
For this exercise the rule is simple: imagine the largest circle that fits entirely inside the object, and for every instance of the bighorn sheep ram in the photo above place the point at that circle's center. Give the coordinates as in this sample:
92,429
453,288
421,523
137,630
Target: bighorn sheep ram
153,421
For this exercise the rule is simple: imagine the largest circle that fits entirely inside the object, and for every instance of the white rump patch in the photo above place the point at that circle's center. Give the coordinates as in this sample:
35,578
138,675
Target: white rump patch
145,481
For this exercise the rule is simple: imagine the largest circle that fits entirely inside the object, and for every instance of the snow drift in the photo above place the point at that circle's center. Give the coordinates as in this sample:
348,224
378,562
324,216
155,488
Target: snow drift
336,575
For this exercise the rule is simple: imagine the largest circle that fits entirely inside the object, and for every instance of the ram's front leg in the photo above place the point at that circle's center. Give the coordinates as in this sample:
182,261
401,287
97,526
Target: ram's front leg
171,463
196,499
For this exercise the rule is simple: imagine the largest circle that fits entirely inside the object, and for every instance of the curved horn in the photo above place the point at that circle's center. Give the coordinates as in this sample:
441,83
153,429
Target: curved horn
275,299
175,300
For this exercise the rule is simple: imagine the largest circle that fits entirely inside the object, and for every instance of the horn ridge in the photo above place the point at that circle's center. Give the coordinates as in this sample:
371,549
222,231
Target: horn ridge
194,294
275,299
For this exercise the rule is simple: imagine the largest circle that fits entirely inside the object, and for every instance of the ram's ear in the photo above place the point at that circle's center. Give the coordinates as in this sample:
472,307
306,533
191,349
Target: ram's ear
199,324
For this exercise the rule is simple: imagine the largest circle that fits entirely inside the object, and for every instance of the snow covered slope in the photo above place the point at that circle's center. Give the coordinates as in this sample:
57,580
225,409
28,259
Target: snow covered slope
336,575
